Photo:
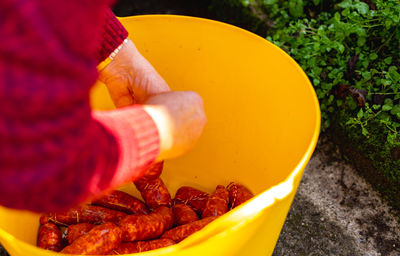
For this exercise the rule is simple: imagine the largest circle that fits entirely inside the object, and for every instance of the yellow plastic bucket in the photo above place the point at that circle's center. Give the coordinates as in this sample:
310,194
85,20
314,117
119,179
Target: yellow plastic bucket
263,126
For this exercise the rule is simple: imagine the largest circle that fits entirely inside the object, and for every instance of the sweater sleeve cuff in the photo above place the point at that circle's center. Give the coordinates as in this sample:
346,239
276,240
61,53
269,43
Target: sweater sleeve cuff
138,139
113,35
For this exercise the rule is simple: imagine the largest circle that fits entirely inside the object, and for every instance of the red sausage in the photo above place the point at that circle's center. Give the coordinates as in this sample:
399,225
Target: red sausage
238,194
193,197
50,237
145,227
217,203
154,171
86,214
142,246
101,240
183,214
44,219
179,233
77,230
154,193
121,201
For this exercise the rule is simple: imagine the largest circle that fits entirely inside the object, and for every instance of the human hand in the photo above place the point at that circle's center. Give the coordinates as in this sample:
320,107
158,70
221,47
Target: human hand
130,78
180,120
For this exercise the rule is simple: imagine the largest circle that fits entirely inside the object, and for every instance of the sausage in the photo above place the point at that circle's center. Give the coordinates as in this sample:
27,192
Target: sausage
44,219
193,197
75,231
181,232
217,203
121,201
50,237
183,214
238,194
145,227
154,193
142,246
154,171
86,214
101,240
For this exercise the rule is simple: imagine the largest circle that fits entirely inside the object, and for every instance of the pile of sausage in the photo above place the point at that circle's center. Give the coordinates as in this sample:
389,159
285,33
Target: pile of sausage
119,223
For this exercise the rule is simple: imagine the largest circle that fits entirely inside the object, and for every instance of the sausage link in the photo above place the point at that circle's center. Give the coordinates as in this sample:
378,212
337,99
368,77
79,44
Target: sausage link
154,193
121,201
75,231
179,233
145,227
217,203
195,198
183,214
50,237
154,171
142,246
101,240
44,219
238,194
86,214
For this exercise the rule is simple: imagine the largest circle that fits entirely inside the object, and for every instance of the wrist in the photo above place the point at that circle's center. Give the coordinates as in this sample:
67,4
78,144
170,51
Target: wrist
113,55
163,124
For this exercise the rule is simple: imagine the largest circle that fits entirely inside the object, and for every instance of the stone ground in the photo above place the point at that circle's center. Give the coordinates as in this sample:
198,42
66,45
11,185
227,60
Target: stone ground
336,212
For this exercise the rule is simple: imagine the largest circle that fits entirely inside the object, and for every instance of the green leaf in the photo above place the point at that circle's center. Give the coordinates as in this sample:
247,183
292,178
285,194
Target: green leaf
366,75
394,74
395,110
388,23
386,82
270,2
365,63
362,8
341,48
388,60
373,56
345,4
360,114
376,107
296,8
361,41
389,102
386,107
316,2
337,16
364,132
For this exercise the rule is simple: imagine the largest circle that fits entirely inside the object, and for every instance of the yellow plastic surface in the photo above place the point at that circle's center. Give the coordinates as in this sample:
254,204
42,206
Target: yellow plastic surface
263,125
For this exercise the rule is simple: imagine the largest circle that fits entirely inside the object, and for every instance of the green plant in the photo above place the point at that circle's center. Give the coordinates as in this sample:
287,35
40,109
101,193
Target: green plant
350,50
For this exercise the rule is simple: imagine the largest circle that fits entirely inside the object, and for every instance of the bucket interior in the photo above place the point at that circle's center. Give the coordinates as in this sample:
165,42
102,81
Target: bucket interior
262,112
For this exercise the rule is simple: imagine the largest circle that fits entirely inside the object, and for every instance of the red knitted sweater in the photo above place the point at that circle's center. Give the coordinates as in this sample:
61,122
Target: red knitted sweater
54,150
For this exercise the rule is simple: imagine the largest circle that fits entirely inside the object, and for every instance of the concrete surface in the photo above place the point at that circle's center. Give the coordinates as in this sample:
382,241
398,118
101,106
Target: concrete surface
336,212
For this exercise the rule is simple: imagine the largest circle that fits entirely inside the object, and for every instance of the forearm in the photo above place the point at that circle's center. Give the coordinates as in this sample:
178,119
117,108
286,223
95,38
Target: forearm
138,141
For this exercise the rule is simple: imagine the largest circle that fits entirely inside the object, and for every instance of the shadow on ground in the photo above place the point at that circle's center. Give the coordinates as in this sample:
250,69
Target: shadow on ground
307,232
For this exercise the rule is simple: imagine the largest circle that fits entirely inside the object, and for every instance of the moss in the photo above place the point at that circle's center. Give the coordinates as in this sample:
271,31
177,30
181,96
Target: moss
372,156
